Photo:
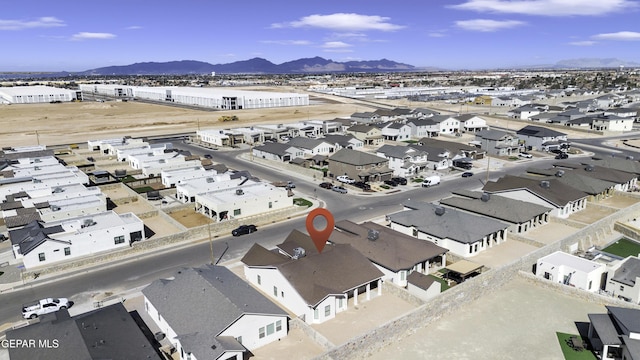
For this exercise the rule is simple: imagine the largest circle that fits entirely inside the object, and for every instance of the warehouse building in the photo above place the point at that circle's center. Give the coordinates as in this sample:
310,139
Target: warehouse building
36,94
216,98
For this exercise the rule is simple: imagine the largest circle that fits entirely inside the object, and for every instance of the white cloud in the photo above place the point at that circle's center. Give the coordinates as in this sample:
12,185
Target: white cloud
343,22
336,46
287,42
436,34
134,27
43,22
583,43
548,7
91,36
486,25
622,35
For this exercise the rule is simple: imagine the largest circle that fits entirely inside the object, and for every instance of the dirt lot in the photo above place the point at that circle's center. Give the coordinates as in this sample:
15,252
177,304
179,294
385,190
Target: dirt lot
77,122
189,218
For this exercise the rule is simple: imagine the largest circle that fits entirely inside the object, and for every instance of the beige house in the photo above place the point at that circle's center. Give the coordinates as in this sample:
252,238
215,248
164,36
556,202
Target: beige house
369,135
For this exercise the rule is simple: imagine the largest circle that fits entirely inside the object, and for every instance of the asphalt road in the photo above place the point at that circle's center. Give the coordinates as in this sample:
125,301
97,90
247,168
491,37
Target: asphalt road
121,276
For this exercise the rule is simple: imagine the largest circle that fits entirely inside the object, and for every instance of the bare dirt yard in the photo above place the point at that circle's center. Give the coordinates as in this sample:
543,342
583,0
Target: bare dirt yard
77,122
189,218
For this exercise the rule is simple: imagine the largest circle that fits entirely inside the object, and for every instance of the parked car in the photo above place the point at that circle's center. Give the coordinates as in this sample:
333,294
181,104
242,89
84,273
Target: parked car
244,229
208,156
556,151
290,185
391,183
345,179
467,174
562,155
45,306
362,185
400,180
525,155
339,189
326,185
431,181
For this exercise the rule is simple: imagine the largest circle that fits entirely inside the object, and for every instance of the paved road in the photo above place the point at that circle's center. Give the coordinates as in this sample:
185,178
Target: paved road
131,274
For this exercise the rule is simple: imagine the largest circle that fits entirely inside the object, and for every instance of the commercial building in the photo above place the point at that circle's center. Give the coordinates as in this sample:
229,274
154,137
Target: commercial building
36,94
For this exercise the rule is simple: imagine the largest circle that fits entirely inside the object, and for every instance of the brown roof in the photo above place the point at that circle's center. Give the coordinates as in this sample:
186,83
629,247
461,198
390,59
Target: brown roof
420,280
392,250
298,239
259,256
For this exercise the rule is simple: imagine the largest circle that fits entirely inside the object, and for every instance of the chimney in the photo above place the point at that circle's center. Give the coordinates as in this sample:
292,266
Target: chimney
545,184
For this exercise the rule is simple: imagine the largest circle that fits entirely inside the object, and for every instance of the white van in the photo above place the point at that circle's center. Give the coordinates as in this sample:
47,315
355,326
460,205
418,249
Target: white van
431,181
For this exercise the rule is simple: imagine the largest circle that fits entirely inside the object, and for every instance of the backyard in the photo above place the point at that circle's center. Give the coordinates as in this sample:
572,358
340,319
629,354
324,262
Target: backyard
623,247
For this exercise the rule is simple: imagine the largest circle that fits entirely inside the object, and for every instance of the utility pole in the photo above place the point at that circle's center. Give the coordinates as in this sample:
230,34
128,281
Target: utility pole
488,167
37,137
213,261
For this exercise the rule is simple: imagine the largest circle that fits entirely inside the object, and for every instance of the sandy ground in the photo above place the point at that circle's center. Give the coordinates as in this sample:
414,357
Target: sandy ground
77,122
189,218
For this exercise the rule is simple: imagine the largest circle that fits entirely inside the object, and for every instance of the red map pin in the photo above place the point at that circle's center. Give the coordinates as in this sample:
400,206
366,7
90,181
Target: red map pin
320,237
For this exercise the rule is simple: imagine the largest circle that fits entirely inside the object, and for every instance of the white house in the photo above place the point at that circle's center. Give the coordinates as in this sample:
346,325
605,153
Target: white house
171,177
612,123
311,147
277,152
314,286
622,279
396,131
571,270
472,123
187,190
447,124
462,233
541,138
41,244
211,313
405,161
242,201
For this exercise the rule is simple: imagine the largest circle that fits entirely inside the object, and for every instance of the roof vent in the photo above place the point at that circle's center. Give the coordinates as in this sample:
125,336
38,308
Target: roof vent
55,208
210,180
629,157
485,197
589,168
373,235
298,253
440,210
57,190
239,192
545,184
559,173
87,223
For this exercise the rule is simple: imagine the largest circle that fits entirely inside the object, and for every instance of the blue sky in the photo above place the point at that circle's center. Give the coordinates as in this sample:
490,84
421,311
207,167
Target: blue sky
453,34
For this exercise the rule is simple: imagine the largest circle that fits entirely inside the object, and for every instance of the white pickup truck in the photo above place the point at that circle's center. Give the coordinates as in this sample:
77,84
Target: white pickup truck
34,309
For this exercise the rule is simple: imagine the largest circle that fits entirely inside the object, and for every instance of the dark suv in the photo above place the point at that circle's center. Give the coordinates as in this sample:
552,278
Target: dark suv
400,180
244,229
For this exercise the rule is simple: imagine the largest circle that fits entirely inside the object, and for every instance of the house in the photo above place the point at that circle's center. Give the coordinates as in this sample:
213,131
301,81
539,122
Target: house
597,189
405,161
541,138
622,279
622,112
618,179
616,334
483,100
214,137
106,333
396,131
41,244
462,233
568,115
277,152
424,112
311,147
520,215
315,286
359,165
448,125
211,313
471,123
438,158
524,112
612,123
171,177
455,149
502,101
344,142
396,255
571,270
563,199
497,142
244,200
369,135
423,127
364,117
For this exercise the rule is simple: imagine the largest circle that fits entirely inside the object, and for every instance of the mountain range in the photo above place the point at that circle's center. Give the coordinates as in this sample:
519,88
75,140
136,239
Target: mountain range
252,66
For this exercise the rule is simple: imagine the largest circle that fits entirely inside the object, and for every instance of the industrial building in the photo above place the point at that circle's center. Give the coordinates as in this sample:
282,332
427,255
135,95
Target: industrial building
216,98
36,94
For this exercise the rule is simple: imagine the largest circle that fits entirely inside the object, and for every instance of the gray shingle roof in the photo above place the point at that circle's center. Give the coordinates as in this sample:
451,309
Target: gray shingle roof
106,333
539,131
557,193
603,324
201,302
453,224
492,134
392,250
497,207
32,235
305,143
577,180
355,157
628,271
274,148
422,281
399,151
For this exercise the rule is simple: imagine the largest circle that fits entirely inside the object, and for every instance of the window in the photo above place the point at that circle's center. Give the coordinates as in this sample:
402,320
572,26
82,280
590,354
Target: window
590,282
275,291
315,313
270,204
327,310
118,239
259,280
403,275
270,329
621,288
41,257
67,251
261,332
340,303
236,212
278,325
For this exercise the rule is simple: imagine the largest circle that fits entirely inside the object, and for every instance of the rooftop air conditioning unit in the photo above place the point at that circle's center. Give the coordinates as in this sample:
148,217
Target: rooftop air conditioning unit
373,235
239,192
440,210
210,180
545,184
298,253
